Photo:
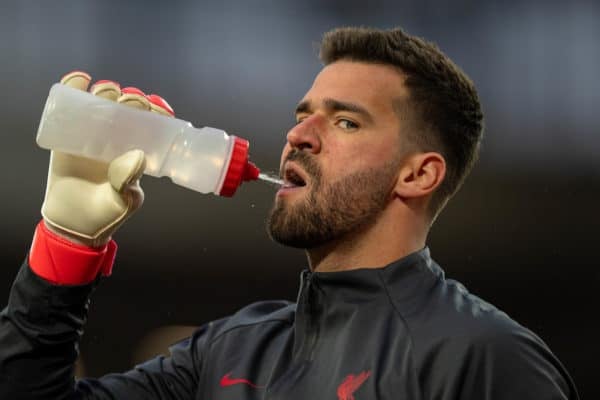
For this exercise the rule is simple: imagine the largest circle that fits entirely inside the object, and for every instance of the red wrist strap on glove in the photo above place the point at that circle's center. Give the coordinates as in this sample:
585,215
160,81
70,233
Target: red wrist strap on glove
64,263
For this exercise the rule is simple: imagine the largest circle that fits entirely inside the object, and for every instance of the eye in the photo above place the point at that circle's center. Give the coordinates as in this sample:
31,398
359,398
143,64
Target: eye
347,125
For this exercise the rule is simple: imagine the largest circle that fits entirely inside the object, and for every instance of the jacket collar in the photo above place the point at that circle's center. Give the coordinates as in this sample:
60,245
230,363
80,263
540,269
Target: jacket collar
402,281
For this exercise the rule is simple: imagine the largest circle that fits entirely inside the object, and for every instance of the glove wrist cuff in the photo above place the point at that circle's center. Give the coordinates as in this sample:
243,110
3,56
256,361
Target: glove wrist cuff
62,262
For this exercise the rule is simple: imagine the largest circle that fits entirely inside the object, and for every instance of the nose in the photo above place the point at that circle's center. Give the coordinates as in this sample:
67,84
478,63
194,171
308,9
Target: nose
305,135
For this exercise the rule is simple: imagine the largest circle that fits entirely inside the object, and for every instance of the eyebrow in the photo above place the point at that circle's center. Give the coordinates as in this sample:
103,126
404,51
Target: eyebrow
336,105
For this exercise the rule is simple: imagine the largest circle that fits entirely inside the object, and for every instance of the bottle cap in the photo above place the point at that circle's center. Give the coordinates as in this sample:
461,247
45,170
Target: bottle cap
240,169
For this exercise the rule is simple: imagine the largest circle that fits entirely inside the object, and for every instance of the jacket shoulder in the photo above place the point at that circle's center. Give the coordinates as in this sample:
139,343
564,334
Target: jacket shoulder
258,313
467,319
466,339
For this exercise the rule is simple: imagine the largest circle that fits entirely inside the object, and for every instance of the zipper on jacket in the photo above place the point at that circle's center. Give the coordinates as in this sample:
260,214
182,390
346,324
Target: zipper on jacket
307,328
305,336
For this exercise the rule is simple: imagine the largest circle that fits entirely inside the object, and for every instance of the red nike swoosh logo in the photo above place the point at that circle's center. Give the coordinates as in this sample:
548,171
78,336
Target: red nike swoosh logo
227,381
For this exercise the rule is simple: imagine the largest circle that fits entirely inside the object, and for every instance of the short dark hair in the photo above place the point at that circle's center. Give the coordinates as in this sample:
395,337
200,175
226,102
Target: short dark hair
443,102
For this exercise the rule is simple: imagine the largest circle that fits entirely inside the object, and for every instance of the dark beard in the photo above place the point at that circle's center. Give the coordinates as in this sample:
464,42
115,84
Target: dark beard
330,212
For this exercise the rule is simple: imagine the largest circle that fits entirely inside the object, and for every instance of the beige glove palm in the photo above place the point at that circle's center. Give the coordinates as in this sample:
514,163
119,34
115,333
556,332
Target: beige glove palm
87,200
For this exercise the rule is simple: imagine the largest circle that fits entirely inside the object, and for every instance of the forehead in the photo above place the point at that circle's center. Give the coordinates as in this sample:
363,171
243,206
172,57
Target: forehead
374,86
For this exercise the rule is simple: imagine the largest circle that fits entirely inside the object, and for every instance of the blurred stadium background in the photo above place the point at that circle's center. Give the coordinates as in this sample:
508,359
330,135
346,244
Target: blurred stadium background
523,232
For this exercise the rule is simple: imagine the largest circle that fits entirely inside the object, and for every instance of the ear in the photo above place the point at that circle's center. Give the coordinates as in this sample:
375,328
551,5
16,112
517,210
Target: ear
420,175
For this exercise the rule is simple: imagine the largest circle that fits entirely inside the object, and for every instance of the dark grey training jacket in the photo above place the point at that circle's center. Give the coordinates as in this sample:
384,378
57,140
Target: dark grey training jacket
402,332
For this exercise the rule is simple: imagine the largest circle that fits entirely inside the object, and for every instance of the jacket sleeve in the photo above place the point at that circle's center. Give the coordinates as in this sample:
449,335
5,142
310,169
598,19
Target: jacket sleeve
499,365
39,334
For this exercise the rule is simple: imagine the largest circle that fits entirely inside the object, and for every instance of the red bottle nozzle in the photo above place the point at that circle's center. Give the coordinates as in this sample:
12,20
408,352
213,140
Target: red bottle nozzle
251,172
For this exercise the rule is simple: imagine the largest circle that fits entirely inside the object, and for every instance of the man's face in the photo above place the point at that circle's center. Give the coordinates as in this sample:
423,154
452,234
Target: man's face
341,159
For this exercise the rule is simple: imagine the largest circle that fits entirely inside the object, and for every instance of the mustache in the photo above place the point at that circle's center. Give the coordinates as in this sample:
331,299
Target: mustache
305,160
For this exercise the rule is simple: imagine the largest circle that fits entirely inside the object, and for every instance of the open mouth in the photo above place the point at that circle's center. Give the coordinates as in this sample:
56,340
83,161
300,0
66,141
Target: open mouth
292,178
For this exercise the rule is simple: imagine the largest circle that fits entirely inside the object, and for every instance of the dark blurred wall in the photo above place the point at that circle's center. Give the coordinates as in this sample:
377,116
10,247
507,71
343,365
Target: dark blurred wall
521,234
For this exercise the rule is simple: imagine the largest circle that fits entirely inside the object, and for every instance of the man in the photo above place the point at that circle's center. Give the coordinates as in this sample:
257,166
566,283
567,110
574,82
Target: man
384,137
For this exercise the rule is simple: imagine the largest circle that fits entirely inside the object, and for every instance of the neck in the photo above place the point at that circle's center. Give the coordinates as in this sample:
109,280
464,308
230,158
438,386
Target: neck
374,246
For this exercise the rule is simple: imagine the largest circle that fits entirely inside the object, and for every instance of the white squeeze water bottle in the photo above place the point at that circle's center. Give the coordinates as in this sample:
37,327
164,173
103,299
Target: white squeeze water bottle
203,159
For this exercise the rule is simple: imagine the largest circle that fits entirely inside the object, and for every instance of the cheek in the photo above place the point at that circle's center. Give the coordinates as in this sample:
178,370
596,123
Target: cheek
383,150
363,156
